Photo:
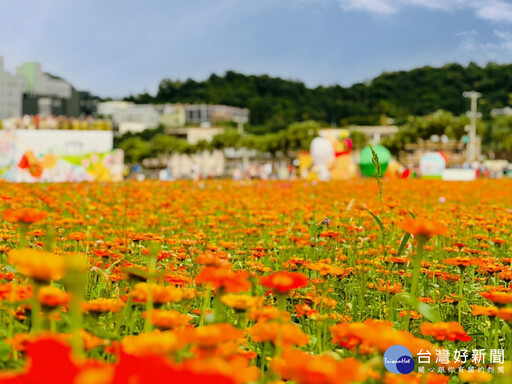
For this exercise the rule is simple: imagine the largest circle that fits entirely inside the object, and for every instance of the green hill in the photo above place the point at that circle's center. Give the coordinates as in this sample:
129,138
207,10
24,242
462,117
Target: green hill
274,103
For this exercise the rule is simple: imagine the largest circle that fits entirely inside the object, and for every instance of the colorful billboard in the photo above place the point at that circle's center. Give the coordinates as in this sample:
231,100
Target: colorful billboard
59,156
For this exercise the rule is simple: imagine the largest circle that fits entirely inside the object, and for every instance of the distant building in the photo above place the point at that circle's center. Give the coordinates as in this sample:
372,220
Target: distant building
455,152
34,92
202,113
203,164
136,118
45,94
507,111
11,93
108,108
195,134
173,115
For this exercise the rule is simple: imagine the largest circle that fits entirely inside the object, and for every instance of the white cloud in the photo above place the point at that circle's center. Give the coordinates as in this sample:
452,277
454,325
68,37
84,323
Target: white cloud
388,7
383,7
499,49
493,10
505,40
472,32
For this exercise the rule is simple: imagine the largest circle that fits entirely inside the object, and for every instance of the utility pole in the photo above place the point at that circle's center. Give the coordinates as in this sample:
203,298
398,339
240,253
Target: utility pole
240,120
473,115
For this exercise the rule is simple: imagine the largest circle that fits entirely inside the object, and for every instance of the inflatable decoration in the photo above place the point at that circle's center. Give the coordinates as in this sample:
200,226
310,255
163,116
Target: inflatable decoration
330,157
432,165
366,163
322,154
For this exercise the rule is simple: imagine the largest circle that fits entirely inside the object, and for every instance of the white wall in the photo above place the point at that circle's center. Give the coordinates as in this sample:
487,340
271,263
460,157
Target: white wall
63,142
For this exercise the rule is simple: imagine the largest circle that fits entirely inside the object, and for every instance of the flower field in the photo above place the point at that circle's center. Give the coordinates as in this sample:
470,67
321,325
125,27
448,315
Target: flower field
255,282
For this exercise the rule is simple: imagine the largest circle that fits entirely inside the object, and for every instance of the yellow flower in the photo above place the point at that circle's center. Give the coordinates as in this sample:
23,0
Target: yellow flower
241,302
161,294
159,343
39,265
475,377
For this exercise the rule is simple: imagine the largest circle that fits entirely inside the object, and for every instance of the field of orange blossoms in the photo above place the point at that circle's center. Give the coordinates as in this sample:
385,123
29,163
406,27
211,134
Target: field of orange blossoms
256,282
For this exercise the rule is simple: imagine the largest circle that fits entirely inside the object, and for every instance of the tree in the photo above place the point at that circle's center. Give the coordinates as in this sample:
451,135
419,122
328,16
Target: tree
359,139
135,149
499,138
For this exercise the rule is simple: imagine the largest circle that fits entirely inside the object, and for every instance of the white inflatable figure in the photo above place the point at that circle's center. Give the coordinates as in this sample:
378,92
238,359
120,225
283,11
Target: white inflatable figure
322,154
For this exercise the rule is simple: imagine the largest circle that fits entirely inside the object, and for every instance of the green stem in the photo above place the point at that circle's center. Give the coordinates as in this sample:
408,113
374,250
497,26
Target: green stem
75,316
23,235
207,297
148,327
461,285
415,279
218,307
496,332
35,312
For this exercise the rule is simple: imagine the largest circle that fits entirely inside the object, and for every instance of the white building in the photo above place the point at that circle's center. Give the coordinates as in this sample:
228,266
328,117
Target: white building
507,111
201,113
11,93
136,118
195,134
108,108
43,84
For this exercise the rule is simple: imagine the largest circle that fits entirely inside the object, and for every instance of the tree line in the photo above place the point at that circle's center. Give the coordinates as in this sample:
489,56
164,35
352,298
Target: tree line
275,103
285,115
496,137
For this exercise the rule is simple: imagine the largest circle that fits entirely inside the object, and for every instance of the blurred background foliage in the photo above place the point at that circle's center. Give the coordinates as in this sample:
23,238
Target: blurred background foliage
285,115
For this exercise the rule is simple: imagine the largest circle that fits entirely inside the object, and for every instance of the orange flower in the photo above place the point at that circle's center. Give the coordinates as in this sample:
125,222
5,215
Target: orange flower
236,370
480,310
372,335
284,281
241,302
414,314
498,297
20,340
167,319
153,343
102,305
210,336
415,378
445,331
287,334
219,277
50,296
462,261
423,228
39,265
505,314
24,215
13,293
160,294
268,313
305,368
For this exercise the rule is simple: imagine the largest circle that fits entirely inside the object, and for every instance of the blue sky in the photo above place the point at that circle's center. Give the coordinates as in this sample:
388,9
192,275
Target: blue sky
114,48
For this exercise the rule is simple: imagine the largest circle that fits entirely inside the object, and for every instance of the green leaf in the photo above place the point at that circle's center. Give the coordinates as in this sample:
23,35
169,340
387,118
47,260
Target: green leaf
412,214
378,221
427,311
406,238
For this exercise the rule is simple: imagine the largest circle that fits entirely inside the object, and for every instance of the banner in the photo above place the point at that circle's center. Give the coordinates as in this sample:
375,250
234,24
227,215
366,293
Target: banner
59,156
